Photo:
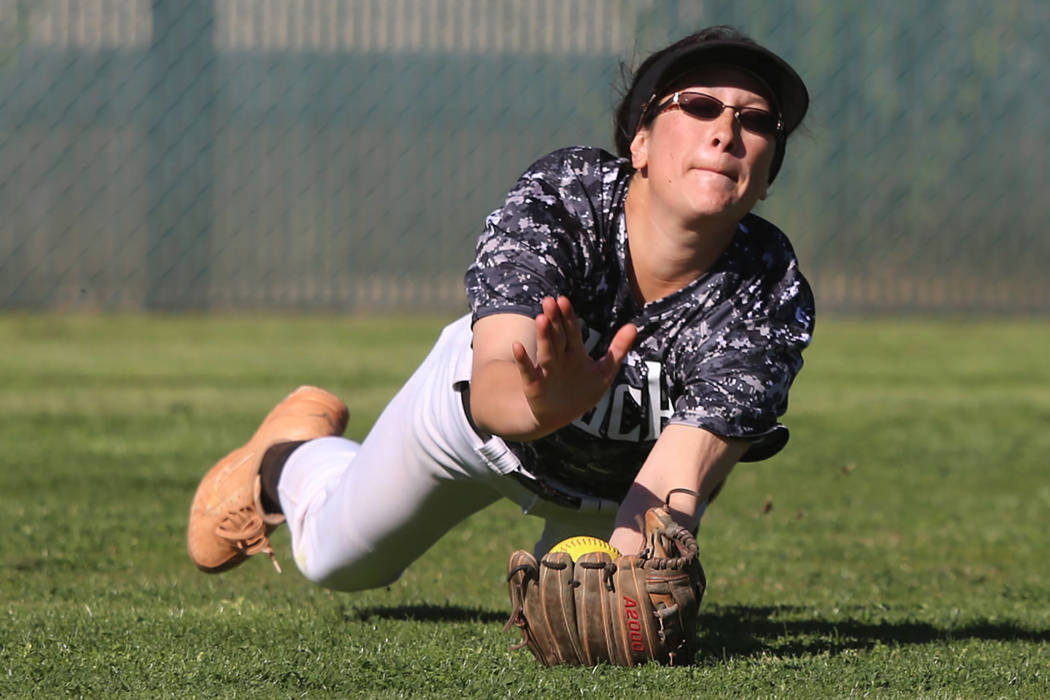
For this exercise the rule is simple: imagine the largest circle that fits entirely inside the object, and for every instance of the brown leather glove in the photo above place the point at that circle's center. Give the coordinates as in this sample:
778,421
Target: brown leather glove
635,609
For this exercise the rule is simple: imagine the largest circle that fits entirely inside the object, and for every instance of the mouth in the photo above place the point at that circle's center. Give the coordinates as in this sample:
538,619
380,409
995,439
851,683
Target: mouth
716,171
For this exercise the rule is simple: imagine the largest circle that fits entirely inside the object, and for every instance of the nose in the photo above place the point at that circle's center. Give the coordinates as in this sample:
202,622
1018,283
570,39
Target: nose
724,129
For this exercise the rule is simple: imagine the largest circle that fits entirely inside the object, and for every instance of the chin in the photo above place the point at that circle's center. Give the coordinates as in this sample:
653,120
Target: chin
722,213
713,208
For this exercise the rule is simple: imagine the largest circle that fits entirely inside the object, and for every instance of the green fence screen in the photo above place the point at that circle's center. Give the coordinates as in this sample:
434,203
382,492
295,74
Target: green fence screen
342,154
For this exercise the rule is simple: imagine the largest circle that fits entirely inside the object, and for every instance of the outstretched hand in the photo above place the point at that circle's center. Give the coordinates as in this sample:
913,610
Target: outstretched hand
565,382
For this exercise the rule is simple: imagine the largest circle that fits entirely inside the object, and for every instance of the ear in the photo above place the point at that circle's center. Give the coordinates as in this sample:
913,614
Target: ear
640,149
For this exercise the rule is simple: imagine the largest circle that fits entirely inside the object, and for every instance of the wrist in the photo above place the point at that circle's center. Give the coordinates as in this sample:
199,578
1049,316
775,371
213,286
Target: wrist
627,540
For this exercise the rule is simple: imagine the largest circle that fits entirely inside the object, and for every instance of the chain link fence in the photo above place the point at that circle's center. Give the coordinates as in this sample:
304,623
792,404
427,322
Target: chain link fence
342,154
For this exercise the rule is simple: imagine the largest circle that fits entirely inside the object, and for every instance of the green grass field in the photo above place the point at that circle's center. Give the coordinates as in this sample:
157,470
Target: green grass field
906,551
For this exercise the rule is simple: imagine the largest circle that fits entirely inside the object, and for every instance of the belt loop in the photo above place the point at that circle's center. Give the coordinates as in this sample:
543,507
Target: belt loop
498,456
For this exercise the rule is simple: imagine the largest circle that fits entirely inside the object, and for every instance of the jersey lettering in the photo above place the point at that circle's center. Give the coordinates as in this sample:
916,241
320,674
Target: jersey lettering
610,410
658,409
616,427
593,424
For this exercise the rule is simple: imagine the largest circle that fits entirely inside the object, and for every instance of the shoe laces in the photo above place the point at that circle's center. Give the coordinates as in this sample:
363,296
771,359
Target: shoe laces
246,531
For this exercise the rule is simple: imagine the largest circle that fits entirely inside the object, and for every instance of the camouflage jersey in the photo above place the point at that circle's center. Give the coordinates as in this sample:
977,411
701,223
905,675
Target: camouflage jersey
719,354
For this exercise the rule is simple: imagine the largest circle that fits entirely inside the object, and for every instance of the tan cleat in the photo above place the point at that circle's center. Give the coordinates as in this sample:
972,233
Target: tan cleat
227,520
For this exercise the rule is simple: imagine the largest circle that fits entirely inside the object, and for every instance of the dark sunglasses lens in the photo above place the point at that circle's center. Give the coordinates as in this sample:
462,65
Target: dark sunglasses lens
700,106
706,107
758,121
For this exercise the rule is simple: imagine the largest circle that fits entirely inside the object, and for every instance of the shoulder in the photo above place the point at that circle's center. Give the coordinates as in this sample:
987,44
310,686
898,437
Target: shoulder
577,166
770,271
577,188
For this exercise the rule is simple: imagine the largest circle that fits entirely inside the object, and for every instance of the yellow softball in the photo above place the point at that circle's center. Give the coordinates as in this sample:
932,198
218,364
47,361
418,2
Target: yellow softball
576,547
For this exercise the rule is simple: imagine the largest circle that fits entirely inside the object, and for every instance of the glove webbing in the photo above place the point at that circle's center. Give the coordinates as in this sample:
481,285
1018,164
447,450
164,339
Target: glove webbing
517,616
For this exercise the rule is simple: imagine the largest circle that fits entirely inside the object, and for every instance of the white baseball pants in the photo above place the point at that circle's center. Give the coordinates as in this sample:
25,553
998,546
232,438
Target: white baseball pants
359,514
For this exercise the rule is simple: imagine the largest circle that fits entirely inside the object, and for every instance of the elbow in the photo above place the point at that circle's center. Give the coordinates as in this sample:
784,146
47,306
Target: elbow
492,416
475,410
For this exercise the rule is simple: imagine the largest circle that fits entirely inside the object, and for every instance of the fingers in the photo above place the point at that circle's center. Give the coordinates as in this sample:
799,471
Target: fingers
529,372
571,322
552,311
545,346
621,343
559,338
565,325
554,332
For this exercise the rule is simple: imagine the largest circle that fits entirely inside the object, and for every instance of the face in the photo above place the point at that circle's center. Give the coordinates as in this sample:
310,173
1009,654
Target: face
711,171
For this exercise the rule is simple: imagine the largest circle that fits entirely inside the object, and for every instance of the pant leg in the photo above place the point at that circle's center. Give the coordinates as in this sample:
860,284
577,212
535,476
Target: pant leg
360,514
358,519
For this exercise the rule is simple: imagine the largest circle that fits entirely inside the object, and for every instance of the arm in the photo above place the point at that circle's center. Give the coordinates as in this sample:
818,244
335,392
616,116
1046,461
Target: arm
518,399
683,457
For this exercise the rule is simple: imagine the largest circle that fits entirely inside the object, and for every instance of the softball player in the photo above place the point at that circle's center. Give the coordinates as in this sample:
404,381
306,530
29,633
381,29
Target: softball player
634,331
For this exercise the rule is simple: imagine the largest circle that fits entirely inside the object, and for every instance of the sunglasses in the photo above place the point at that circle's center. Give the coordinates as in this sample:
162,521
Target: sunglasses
705,107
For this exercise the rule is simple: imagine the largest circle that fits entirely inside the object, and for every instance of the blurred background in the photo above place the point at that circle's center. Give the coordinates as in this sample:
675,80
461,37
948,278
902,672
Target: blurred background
342,154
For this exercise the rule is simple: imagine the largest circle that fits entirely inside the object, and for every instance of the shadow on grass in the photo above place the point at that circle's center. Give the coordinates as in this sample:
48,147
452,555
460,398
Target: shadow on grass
745,631
427,613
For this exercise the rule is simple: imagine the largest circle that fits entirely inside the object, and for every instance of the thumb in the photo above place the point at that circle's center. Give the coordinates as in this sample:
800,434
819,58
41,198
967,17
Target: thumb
529,372
610,363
